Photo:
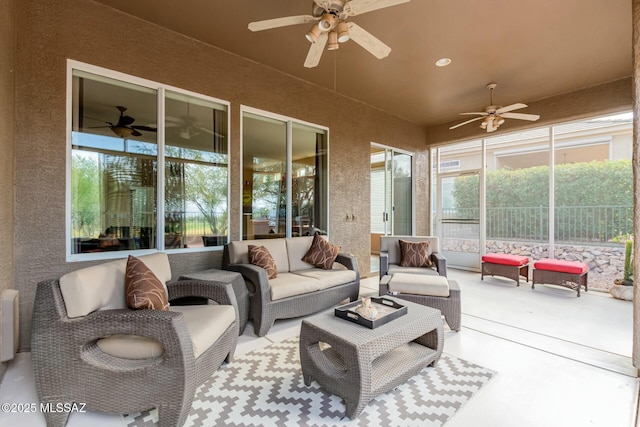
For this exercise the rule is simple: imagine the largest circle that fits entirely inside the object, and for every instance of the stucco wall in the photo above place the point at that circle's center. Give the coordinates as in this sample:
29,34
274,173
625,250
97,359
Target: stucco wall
50,31
7,51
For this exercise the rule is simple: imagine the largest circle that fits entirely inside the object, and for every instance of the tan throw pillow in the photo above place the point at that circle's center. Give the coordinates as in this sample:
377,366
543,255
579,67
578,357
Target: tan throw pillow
321,254
414,254
260,256
143,288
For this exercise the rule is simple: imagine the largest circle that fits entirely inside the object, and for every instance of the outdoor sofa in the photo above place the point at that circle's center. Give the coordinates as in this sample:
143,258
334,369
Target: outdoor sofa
300,288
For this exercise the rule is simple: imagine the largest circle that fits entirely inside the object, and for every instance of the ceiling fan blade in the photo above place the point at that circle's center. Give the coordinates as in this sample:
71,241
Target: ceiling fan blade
521,116
358,7
280,22
315,51
510,108
368,41
135,133
125,120
483,113
147,128
464,123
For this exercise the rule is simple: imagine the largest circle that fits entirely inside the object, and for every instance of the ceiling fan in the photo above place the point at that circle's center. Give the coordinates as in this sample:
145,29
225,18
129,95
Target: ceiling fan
330,27
493,115
187,127
124,128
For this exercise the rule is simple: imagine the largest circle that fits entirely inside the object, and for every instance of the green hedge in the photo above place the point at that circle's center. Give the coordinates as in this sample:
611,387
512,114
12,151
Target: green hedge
585,197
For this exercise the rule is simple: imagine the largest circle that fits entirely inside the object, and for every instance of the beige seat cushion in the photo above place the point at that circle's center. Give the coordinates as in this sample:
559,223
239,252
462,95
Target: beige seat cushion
205,323
290,284
329,278
394,269
419,284
101,287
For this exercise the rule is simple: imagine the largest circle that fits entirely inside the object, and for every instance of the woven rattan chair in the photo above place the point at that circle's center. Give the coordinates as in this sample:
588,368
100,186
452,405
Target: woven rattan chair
390,256
69,366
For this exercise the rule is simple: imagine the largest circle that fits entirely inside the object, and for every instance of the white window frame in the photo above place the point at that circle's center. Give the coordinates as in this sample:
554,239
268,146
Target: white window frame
289,122
160,88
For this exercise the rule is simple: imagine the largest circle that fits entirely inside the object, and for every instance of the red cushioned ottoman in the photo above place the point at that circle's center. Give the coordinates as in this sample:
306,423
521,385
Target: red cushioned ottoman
506,265
570,274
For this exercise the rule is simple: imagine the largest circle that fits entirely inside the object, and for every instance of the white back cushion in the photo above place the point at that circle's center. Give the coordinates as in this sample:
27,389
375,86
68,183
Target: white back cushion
297,247
101,287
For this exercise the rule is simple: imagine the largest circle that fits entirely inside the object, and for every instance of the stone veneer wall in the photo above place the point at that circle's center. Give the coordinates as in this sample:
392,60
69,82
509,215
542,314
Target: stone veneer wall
606,263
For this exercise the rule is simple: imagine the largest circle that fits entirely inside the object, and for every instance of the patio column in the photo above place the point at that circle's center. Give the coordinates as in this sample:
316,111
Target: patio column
636,183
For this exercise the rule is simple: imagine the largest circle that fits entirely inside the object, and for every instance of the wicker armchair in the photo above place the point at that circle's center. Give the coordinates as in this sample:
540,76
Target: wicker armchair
70,366
390,256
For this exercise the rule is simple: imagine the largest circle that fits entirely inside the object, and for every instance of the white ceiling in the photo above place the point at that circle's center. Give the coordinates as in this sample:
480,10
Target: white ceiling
533,49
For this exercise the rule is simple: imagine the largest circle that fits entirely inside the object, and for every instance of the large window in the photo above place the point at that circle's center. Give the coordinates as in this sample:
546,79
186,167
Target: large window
284,172
563,192
148,166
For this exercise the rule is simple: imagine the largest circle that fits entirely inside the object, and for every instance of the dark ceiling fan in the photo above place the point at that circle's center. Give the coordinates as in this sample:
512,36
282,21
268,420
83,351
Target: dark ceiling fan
124,128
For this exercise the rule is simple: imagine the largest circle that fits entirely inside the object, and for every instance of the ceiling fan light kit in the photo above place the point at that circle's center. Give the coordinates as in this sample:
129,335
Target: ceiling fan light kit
313,33
331,28
327,22
332,44
343,32
493,115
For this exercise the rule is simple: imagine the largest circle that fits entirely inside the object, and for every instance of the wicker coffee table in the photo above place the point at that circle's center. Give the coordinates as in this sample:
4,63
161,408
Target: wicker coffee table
362,363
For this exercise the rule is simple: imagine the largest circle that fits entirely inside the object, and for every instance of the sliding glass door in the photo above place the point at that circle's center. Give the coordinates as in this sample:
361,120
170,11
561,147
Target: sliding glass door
391,194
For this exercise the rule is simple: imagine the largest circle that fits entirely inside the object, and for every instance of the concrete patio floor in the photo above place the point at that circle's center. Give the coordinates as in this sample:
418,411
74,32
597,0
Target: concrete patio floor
559,360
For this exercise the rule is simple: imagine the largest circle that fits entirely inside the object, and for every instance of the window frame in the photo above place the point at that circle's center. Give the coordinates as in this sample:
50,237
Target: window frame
161,89
289,121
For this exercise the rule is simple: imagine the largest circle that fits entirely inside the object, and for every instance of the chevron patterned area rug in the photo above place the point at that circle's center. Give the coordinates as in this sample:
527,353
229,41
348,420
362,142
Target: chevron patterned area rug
265,388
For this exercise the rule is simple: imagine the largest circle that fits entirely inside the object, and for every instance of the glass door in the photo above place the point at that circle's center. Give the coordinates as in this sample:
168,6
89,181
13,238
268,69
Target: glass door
458,219
391,196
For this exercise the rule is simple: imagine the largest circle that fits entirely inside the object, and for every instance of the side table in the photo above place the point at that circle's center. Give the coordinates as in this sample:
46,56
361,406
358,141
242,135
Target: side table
361,363
237,283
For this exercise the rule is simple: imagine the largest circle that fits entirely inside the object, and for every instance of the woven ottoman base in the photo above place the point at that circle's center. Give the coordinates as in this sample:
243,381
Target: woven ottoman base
552,275
505,265
450,307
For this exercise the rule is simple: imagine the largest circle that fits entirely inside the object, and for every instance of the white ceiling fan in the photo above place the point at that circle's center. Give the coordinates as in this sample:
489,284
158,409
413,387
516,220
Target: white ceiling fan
330,27
493,115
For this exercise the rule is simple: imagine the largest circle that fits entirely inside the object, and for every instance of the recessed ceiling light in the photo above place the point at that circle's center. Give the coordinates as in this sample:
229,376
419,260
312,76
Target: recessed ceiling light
443,62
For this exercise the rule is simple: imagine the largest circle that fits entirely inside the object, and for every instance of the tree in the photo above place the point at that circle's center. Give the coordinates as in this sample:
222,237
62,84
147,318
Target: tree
85,202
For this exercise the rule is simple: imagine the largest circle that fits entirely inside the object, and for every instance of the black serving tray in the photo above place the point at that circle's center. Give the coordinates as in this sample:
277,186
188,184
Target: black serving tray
387,311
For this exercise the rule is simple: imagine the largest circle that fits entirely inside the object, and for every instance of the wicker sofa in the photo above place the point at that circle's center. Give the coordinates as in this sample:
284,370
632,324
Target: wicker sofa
299,288
88,347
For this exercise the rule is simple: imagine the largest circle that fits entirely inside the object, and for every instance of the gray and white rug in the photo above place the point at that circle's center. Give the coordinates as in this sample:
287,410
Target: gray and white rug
265,388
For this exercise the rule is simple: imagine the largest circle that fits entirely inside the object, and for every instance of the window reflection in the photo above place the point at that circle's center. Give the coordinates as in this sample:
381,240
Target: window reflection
269,196
196,172
113,165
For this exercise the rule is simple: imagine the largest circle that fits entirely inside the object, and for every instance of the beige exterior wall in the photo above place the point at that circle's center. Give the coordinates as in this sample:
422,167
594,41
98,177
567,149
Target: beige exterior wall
7,52
7,65
50,31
